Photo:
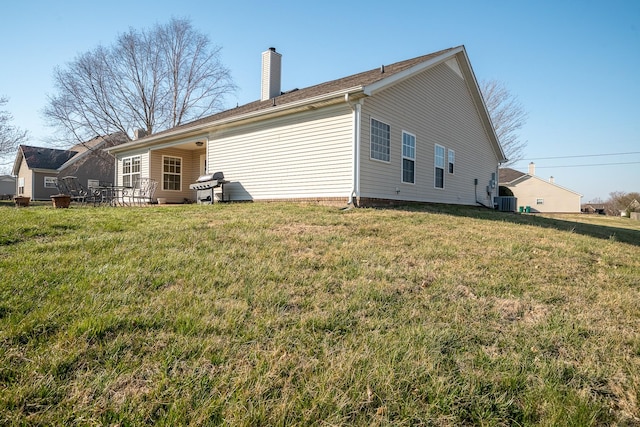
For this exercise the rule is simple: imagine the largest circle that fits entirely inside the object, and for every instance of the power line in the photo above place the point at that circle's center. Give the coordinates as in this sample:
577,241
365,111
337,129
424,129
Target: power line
581,166
584,155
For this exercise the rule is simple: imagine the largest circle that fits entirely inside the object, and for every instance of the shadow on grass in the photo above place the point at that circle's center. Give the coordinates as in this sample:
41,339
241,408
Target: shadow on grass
617,234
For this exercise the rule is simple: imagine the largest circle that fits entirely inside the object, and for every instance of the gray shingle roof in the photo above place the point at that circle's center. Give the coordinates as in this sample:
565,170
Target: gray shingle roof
355,80
45,158
508,175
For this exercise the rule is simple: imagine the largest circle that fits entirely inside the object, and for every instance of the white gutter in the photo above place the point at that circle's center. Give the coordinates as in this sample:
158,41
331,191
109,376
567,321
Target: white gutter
357,113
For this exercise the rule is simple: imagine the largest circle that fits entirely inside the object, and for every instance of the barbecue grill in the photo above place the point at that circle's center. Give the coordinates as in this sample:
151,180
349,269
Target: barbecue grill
205,187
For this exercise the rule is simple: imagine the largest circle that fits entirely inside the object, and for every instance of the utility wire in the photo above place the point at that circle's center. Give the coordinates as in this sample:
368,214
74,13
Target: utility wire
584,155
580,166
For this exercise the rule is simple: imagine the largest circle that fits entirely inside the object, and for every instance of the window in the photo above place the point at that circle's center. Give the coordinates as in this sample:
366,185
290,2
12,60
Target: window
380,140
539,201
452,160
171,173
130,171
439,166
50,181
408,158
20,186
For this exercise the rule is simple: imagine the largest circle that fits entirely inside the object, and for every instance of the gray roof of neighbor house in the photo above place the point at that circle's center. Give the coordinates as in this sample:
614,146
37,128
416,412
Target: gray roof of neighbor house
45,158
373,79
507,175
54,158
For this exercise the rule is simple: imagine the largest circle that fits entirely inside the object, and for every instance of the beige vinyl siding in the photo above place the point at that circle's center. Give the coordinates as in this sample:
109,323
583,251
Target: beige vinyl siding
435,106
556,199
25,172
190,172
305,155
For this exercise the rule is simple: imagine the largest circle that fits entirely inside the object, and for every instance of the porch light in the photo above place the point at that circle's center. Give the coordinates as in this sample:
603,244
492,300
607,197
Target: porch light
199,143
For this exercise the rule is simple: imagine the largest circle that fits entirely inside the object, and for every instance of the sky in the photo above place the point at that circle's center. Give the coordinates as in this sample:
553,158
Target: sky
573,65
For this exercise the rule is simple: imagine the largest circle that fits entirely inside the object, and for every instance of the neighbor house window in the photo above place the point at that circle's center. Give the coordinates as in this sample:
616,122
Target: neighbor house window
452,160
130,171
50,181
539,201
171,173
20,186
380,140
438,161
408,158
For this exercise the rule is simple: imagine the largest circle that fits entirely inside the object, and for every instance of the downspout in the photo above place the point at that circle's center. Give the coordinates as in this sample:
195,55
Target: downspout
357,112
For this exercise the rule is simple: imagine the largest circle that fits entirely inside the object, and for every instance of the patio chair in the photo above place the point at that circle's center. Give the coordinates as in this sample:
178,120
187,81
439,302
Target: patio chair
76,190
143,191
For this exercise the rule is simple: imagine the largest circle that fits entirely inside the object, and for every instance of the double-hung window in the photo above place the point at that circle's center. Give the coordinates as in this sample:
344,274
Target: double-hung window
130,171
171,173
380,140
439,166
408,158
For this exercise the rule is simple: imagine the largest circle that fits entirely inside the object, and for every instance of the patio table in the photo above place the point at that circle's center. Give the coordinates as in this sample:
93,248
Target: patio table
114,195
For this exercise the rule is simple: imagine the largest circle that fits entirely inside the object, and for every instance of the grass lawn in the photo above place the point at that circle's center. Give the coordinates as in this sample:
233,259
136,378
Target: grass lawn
283,314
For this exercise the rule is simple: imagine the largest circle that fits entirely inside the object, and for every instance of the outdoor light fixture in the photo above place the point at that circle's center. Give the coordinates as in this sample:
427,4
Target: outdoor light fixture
199,143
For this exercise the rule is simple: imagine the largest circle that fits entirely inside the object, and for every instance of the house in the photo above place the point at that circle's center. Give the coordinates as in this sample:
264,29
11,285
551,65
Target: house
416,130
37,168
538,194
7,187
591,208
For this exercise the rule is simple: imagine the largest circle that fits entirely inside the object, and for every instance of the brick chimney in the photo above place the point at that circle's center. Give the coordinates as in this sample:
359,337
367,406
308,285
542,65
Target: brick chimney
532,169
271,71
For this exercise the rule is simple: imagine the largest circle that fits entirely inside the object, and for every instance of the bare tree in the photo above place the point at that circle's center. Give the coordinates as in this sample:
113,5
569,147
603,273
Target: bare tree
151,79
508,116
621,202
10,136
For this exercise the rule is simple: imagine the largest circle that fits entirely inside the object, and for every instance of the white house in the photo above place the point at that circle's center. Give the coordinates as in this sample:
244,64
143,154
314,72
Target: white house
417,130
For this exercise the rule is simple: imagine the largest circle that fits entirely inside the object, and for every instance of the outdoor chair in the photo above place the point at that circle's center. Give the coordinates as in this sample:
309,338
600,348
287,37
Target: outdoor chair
71,185
143,191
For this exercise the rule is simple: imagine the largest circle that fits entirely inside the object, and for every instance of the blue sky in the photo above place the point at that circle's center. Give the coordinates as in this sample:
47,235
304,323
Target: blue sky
572,64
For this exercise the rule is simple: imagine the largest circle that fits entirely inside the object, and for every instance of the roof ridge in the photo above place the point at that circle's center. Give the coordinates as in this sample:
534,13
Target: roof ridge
362,78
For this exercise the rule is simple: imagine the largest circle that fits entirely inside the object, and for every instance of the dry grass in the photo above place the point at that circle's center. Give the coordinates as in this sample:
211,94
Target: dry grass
275,314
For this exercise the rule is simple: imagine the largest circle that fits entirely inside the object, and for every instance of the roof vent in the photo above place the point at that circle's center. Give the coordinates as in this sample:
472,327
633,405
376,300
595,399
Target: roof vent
271,71
382,69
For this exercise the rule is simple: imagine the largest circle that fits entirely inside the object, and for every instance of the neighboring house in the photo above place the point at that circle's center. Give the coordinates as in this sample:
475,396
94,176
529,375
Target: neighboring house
591,208
539,194
37,168
416,130
7,186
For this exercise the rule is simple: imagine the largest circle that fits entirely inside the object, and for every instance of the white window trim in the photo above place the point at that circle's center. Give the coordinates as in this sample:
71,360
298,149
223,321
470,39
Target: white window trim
50,182
371,135
449,162
436,167
402,157
171,173
131,174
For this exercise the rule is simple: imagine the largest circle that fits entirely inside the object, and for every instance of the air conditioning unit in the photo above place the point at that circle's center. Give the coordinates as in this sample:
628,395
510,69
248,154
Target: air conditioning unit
505,203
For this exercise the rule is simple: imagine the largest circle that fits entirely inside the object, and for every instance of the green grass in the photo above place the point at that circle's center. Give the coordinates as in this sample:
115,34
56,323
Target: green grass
282,314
